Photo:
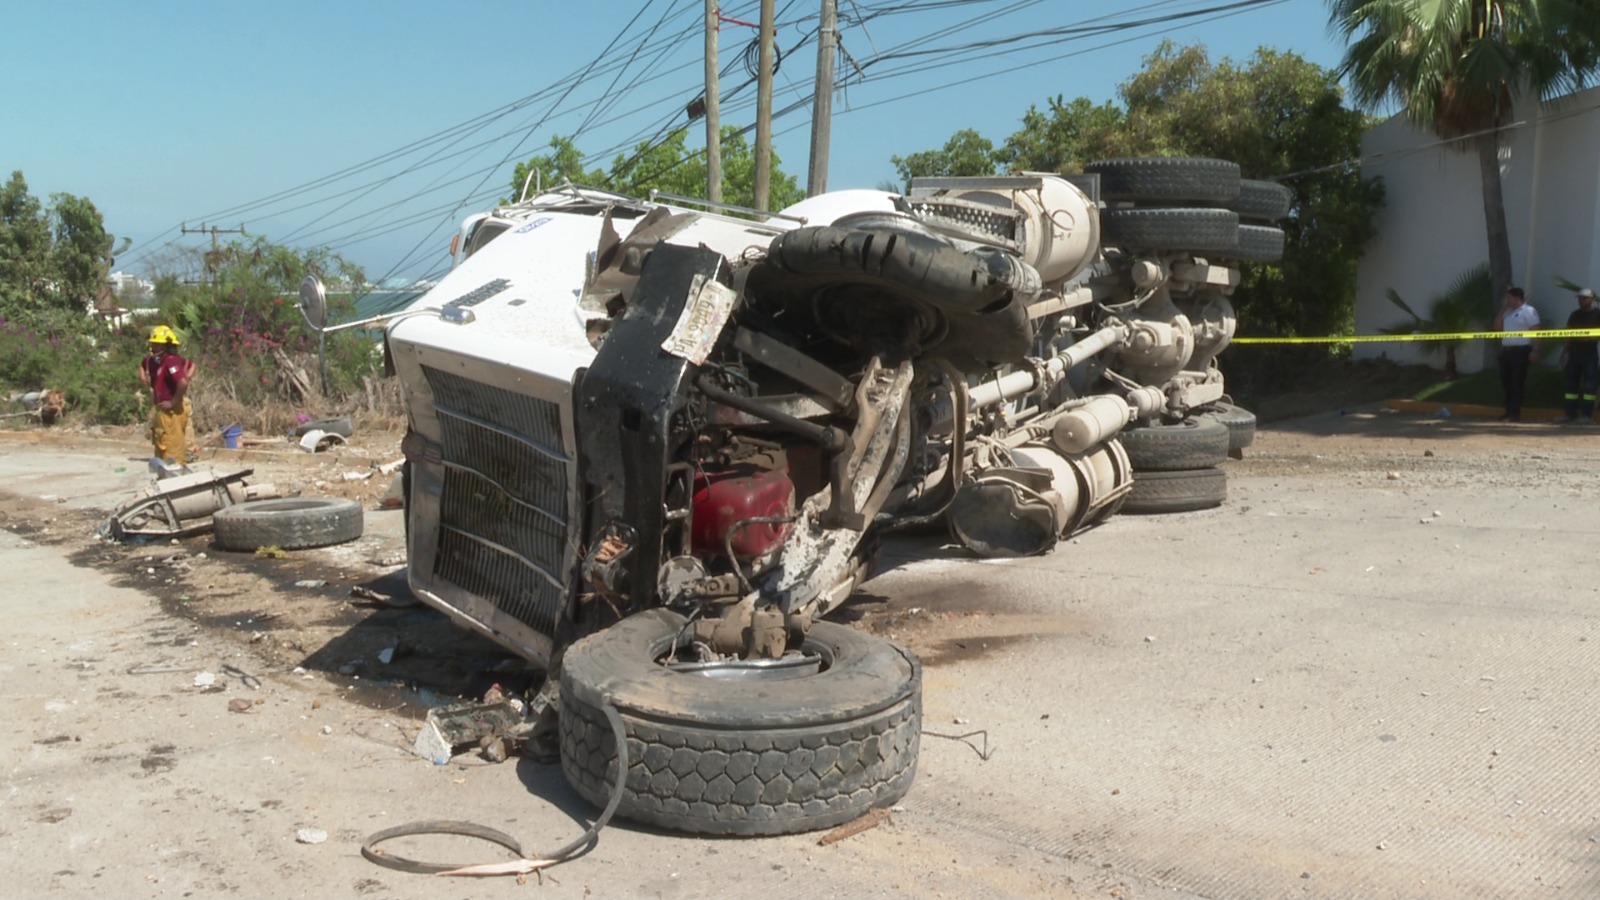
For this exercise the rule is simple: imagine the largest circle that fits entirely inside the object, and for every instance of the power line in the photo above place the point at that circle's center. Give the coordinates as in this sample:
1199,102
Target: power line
528,134
647,62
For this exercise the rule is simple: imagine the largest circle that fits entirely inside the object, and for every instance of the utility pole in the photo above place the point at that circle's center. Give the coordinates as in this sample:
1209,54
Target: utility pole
822,103
213,231
764,108
212,259
713,114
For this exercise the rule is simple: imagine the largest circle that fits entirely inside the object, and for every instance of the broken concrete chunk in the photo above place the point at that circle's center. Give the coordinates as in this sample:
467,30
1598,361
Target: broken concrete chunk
431,745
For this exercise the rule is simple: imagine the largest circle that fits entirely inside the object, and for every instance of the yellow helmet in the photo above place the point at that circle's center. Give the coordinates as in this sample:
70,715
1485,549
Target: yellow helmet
161,334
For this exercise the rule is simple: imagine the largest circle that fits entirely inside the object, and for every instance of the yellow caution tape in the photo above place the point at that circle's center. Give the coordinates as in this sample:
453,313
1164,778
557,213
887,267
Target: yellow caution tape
1453,336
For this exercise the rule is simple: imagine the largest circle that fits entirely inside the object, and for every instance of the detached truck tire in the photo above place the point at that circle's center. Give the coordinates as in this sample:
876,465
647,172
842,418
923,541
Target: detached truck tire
293,523
741,757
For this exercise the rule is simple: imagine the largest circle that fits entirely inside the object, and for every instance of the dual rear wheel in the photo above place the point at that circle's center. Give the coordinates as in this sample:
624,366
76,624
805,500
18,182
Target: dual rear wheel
1176,468
1186,203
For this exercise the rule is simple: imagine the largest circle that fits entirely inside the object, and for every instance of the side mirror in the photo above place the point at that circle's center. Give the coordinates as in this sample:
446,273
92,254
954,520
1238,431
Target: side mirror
313,302
314,309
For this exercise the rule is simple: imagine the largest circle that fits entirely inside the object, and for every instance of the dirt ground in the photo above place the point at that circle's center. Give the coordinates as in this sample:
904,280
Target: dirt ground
300,618
337,609
331,610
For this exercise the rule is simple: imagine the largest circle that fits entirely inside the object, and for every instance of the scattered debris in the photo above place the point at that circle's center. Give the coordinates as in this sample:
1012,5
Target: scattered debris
162,469
493,748
156,669
371,596
239,705
431,745
47,406
983,753
310,583
272,553
205,679
463,724
395,496
311,836
245,678
337,425
872,819
316,440
296,383
181,505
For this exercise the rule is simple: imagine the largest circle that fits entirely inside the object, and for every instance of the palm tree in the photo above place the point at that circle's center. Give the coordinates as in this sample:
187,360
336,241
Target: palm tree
1462,307
1457,66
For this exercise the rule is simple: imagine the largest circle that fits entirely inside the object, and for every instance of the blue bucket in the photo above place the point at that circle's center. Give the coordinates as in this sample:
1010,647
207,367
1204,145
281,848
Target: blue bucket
230,436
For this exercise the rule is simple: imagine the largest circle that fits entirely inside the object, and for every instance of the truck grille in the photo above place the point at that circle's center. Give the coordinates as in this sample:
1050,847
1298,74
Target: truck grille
503,510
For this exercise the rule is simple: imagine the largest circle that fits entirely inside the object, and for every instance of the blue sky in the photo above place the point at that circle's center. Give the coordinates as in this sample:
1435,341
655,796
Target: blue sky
178,112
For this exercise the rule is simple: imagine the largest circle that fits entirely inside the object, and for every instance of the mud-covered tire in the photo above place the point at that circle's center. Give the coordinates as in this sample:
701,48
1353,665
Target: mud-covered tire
1240,422
730,757
1257,243
1166,179
1261,201
1194,443
1170,229
290,523
1182,490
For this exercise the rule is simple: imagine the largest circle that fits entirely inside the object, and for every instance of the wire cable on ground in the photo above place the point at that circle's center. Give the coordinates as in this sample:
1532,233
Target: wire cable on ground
524,864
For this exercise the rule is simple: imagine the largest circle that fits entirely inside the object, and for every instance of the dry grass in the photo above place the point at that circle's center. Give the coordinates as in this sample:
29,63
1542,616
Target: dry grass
217,405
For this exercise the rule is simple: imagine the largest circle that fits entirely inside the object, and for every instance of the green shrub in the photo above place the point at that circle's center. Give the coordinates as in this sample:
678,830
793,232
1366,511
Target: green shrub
95,366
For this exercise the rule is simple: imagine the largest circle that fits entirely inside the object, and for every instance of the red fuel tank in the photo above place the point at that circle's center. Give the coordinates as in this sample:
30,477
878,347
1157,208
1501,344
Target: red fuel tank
724,499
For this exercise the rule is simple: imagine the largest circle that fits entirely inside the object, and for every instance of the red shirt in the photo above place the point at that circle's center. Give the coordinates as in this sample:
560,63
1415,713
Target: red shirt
165,372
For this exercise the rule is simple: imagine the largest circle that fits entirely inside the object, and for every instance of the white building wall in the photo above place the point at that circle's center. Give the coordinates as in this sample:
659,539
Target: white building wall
1431,229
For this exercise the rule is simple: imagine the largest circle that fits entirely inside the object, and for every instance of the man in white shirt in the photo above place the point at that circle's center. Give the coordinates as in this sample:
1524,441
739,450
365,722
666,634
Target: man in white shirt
1516,353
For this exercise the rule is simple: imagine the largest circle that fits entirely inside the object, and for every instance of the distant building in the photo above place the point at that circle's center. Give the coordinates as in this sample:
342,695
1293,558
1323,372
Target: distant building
1431,228
130,290
124,295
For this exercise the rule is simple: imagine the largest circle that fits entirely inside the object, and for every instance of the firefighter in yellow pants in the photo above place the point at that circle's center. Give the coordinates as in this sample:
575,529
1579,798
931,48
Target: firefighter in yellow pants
167,374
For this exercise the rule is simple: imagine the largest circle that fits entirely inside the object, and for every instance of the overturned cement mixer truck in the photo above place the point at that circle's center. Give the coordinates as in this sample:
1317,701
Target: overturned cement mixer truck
651,445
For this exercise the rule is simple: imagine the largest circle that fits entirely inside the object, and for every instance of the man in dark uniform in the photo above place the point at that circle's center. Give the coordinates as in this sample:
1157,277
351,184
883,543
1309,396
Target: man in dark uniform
1581,358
